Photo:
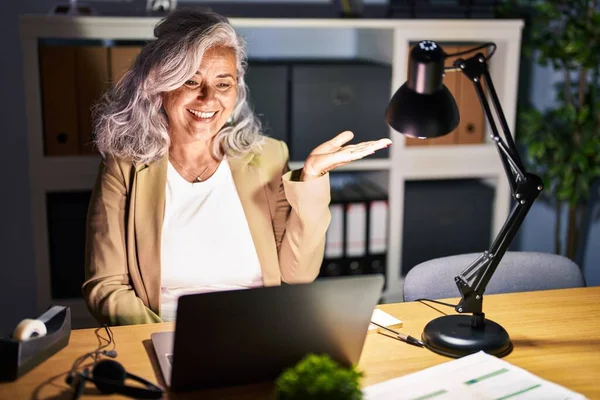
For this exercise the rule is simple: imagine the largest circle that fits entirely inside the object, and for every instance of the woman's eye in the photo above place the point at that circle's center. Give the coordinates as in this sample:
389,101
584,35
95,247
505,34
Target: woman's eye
191,83
223,85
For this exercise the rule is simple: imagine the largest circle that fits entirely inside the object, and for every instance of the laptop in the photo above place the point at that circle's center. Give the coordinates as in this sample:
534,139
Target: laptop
248,336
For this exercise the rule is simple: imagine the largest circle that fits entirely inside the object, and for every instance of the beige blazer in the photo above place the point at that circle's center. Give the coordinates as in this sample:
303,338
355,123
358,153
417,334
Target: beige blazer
288,220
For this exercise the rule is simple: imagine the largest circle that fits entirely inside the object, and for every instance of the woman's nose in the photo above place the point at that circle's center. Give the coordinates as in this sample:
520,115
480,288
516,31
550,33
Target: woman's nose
205,93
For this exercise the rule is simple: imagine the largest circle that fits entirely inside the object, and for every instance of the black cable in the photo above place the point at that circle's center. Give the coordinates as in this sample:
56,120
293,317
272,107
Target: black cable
437,302
483,46
110,339
101,346
98,351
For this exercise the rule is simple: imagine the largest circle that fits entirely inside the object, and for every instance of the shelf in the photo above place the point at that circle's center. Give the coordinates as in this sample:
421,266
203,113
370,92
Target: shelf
359,165
382,40
35,26
79,172
427,162
69,173
446,162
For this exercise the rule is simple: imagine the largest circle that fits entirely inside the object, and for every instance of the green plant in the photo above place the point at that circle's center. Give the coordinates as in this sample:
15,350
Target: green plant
318,377
563,142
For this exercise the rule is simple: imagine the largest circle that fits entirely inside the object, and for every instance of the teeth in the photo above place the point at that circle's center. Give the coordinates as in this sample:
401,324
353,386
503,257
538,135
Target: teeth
200,114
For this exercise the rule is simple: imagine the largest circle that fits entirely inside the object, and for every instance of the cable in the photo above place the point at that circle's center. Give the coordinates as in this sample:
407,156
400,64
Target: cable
110,339
437,302
460,53
483,46
452,68
95,354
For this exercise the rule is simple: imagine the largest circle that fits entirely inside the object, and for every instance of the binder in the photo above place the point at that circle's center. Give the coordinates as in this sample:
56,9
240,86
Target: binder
121,58
472,121
268,93
452,81
333,259
377,226
355,229
91,66
356,241
335,95
59,104
345,244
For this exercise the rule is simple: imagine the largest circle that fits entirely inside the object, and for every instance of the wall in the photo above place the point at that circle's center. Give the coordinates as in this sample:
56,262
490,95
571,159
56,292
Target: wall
17,279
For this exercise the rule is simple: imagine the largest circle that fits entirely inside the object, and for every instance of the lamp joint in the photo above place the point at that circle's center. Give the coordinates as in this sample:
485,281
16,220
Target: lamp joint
472,67
471,302
528,189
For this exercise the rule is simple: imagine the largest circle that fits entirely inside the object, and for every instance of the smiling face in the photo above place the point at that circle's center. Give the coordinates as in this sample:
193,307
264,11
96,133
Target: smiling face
202,105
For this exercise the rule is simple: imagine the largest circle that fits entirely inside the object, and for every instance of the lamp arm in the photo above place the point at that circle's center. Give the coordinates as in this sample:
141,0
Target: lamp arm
473,280
525,188
476,68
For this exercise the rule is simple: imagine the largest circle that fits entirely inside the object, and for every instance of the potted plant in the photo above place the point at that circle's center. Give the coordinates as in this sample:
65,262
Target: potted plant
318,377
563,142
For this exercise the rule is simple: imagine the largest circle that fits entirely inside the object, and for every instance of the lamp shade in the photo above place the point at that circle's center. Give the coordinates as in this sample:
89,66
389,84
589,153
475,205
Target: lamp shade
423,107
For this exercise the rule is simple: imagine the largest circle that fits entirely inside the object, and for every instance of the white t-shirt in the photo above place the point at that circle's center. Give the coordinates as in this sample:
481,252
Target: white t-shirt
206,241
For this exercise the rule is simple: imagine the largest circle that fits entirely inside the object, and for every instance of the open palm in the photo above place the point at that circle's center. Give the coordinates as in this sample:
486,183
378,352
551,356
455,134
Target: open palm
334,153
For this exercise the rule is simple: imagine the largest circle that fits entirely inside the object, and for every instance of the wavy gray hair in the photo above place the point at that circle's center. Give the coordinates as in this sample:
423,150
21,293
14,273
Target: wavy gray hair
129,120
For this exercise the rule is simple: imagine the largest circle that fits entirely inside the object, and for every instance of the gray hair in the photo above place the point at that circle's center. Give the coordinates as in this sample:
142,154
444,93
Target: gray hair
129,120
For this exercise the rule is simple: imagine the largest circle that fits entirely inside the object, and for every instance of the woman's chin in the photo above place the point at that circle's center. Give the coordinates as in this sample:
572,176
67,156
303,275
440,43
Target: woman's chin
198,131
205,133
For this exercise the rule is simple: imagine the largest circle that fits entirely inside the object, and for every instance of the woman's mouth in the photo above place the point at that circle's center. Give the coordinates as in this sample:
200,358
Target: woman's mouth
202,115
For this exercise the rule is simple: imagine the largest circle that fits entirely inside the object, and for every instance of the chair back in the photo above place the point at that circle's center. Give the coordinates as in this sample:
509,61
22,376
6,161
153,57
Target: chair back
517,272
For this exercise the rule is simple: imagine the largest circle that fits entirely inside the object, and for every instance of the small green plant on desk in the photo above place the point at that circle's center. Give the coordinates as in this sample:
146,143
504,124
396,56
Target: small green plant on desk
318,377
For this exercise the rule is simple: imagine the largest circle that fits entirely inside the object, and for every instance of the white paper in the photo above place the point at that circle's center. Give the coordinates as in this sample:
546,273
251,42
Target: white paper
383,318
477,376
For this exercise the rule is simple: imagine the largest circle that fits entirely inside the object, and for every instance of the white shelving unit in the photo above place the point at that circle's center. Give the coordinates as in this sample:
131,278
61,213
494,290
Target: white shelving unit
379,40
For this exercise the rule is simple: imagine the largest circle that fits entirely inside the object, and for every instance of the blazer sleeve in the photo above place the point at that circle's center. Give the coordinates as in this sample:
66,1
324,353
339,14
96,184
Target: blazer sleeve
107,287
301,220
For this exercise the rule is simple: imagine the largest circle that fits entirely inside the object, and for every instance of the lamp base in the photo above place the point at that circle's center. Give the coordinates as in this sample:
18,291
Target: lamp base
454,336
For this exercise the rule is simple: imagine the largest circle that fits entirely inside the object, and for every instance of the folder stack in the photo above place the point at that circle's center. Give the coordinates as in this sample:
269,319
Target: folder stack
356,241
73,77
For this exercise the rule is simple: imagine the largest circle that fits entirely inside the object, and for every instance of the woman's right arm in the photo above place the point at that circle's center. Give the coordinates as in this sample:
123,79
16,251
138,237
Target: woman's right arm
107,288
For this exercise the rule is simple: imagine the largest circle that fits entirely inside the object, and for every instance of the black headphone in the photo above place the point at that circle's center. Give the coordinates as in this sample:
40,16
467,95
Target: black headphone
109,377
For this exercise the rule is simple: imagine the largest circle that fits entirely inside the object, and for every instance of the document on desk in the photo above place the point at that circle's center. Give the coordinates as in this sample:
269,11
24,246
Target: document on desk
477,376
385,319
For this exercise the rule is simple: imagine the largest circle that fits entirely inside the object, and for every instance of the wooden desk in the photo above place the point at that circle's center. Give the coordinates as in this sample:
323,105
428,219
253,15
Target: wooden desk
556,335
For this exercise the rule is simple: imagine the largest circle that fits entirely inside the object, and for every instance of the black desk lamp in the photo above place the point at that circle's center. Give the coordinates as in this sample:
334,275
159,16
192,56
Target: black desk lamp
424,108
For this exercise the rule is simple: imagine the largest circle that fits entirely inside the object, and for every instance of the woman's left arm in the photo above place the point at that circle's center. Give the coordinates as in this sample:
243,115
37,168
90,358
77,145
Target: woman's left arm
301,220
302,211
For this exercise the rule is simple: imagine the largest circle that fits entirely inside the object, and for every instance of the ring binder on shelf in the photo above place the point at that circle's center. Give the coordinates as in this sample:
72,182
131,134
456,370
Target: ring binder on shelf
334,240
355,229
377,223
356,241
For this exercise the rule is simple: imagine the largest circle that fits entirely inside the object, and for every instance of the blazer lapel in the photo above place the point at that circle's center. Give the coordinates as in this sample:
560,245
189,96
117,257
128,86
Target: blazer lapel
149,214
251,189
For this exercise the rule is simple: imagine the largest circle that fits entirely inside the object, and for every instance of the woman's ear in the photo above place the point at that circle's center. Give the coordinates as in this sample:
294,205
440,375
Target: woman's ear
164,99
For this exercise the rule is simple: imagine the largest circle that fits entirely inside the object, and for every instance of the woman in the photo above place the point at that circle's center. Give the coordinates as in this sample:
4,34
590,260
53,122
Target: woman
190,196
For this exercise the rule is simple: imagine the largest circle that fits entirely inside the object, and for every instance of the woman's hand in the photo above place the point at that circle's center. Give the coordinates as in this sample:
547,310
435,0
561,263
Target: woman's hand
333,154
